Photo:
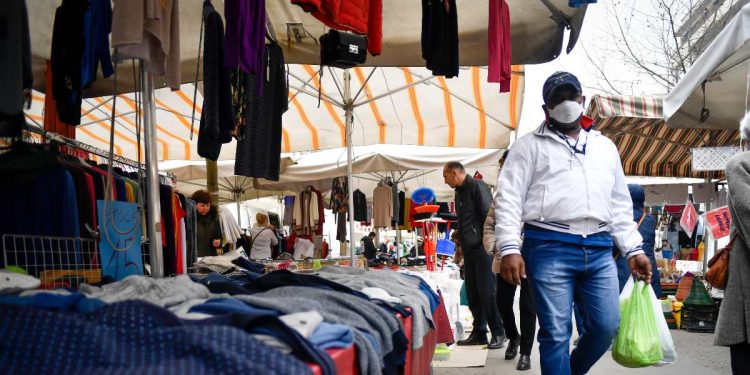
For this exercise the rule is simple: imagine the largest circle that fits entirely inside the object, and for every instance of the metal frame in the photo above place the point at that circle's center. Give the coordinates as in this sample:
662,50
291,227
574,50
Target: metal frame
91,149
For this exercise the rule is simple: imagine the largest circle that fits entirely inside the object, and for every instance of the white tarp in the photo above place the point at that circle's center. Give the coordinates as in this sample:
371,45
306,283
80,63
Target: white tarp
419,166
724,67
461,112
423,167
537,28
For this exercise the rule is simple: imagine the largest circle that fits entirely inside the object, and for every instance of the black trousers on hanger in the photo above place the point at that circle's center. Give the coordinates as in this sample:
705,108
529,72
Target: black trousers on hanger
506,294
481,290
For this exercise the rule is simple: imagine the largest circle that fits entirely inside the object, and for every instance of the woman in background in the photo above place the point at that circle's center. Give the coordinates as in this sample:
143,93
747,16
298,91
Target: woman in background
732,328
262,236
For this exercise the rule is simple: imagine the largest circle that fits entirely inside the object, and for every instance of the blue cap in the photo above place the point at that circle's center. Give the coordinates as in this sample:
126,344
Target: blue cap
557,80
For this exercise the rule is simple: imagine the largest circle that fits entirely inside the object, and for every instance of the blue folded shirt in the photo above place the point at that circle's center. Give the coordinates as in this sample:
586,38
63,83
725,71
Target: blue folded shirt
332,336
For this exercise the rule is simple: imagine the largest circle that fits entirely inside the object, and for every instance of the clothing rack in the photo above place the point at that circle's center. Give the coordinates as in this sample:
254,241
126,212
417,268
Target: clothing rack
93,150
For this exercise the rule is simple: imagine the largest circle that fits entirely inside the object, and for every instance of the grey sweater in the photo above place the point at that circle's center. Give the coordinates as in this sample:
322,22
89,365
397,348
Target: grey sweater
733,326
363,316
401,286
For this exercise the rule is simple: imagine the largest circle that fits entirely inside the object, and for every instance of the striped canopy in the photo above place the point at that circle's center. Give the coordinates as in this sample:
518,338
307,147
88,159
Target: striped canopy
405,106
646,145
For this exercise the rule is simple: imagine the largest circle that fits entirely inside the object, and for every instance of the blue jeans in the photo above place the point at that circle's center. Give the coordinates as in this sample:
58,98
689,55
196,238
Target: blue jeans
559,275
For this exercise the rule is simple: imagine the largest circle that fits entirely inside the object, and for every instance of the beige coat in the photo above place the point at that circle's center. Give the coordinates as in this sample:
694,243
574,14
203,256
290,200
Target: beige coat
382,206
149,30
488,239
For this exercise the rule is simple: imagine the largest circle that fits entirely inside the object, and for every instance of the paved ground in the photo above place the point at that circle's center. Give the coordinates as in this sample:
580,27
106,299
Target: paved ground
696,356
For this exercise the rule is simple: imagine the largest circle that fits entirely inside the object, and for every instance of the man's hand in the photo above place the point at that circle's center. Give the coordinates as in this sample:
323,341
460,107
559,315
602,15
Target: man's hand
513,269
640,265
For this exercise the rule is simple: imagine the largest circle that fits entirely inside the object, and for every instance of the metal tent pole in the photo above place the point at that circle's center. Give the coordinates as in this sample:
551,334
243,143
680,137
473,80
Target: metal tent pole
349,118
152,174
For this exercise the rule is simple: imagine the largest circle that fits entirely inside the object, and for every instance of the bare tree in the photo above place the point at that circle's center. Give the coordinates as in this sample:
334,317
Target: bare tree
655,41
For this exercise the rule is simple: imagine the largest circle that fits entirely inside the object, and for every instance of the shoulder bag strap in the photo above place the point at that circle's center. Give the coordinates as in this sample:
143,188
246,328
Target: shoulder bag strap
643,217
257,234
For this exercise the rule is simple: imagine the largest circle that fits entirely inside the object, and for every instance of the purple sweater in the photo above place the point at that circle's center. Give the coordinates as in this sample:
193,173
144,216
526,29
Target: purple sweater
244,40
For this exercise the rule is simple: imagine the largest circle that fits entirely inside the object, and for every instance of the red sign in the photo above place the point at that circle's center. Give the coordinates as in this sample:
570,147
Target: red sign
673,209
719,220
689,219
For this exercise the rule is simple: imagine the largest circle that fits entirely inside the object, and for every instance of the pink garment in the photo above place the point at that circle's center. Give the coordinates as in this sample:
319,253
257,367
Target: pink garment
499,45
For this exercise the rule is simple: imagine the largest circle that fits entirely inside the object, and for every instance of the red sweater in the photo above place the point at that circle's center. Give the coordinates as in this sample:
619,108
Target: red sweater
357,16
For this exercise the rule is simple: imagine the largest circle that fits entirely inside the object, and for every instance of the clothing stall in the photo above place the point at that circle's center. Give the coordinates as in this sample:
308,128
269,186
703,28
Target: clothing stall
99,268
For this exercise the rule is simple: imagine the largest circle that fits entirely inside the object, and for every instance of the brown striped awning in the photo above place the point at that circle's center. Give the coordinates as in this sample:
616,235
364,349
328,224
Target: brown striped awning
647,146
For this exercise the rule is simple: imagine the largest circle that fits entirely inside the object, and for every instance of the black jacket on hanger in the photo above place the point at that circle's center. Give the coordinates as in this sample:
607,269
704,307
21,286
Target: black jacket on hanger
360,206
217,119
440,37
65,57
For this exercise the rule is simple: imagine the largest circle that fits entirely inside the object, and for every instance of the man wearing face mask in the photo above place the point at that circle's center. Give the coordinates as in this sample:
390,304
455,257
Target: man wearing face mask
564,187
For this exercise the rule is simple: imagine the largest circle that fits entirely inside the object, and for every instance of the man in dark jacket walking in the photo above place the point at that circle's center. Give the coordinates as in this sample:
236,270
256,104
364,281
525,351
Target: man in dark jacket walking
647,229
473,201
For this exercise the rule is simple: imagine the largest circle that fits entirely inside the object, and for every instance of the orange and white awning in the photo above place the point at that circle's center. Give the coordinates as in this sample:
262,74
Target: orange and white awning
646,145
405,106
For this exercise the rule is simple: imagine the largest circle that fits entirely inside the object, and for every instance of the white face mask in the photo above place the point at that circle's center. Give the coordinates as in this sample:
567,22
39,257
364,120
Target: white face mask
566,112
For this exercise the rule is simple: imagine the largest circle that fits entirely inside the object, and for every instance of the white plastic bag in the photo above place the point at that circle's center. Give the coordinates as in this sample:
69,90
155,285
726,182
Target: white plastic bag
667,345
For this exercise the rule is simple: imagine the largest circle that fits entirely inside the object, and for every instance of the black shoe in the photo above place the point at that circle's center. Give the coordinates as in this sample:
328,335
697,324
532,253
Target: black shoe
479,338
497,342
512,350
524,363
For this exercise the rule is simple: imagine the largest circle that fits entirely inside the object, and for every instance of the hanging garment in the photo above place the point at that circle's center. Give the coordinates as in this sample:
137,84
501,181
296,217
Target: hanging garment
289,210
406,217
321,212
239,83
15,66
340,195
396,204
440,37
42,203
358,16
52,121
191,226
229,227
259,144
499,45
149,30
217,118
579,3
382,202
306,214
65,56
360,206
84,185
245,36
179,215
401,215
341,223
97,24
169,250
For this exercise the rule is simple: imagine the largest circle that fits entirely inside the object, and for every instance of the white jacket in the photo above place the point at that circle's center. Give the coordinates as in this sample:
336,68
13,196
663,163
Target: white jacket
545,184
